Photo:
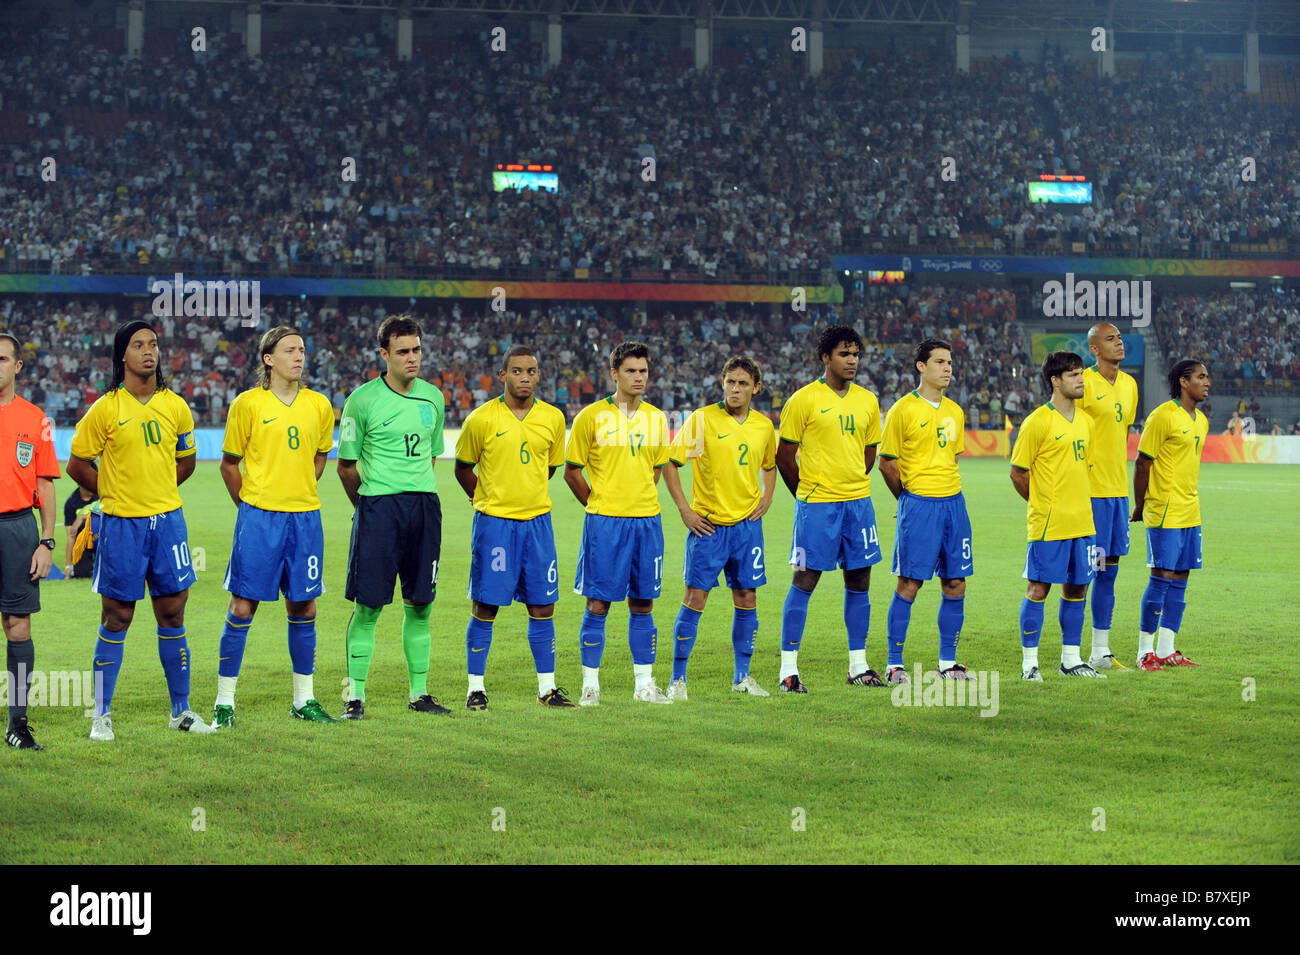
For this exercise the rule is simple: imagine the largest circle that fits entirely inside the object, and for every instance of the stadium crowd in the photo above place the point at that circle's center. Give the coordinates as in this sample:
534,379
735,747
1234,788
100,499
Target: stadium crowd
1246,338
67,344
212,163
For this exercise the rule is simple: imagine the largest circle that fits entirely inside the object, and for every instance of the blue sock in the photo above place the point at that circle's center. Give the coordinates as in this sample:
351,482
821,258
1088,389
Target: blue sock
1175,603
685,628
1103,596
744,628
541,640
1153,603
592,637
230,651
857,617
952,613
897,619
793,617
642,637
478,639
174,652
302,644
1031,622
107,665
1071,619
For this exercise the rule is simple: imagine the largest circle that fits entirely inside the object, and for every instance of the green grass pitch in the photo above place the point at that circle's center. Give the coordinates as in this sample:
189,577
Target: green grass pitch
1183,768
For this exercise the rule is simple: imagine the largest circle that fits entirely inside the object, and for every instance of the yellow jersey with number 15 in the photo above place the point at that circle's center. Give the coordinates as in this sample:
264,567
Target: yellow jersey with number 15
1057,454
138,444
833,435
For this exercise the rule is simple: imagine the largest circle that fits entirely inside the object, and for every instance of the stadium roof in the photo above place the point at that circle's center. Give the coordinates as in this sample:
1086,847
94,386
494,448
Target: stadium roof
1224,17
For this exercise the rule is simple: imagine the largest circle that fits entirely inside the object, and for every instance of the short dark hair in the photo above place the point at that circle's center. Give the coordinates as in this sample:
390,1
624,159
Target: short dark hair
927,347
833,336
1180,371
397,325
13,340
267,346
518,351
1057,364
629,349
745,364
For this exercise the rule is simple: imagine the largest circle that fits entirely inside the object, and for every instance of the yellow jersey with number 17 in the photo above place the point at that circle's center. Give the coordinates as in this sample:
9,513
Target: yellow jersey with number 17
833,435
926,441
1174,440
513,457
1112,409
1057,454
278,444
621,453
138,444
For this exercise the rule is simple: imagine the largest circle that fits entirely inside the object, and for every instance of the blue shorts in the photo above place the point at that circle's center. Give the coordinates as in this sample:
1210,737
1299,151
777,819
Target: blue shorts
620,557
276,552
394,536
134,550
1070,561
933,537
512,560
834,534
736,549
1110,516
1174,548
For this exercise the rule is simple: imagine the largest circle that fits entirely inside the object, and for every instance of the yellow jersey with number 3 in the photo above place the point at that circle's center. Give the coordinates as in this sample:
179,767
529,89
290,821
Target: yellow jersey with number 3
1056,453
138,444
621,453
513,457
833,435
1173,440
727,459
1112,408
926,441
277,444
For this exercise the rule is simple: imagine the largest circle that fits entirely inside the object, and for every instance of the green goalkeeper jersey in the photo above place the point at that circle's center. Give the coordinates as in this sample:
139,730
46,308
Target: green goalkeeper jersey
394,437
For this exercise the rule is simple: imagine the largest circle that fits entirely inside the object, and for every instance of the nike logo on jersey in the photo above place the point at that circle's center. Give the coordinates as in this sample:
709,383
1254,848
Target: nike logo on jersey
721,436
385,424
965,566
1184,431
611,431
312,589
120,423
499,433
925,425
1059,437
824,410
551,593
269,420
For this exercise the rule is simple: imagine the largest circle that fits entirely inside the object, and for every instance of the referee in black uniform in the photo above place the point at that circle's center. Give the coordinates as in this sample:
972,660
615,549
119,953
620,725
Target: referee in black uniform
27,468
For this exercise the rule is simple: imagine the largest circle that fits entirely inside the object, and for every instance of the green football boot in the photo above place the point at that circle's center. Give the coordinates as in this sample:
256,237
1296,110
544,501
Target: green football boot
223,717
311,712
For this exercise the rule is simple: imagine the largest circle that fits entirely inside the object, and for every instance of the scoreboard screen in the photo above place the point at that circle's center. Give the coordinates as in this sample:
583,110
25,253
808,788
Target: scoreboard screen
1067,189
517,175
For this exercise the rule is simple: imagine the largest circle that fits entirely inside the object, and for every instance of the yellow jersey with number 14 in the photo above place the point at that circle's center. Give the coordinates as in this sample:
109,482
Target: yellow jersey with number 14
138,444
833,435
278,444
513,457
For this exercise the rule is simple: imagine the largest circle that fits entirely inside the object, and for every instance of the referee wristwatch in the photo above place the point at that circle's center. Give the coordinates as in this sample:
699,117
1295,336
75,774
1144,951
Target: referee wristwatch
48,542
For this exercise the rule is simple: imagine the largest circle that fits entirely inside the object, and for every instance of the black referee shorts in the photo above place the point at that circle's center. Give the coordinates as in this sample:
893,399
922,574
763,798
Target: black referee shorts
394,535
18,541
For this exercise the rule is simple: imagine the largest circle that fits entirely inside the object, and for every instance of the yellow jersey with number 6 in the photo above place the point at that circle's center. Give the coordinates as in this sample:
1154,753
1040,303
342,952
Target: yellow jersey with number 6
513,457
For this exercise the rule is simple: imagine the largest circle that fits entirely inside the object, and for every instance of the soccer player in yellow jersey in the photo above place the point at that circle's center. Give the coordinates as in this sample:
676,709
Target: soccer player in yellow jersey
834,427
733,453
516,441
622,442
1165,500
1049,468
924,433
281,432
143,434
1110,399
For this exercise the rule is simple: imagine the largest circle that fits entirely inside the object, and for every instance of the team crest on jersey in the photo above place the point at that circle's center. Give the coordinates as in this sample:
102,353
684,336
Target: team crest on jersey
25,451
426,414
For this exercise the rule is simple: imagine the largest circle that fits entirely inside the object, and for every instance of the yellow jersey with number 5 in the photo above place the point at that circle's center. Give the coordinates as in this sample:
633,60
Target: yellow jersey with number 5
833,435
926,441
